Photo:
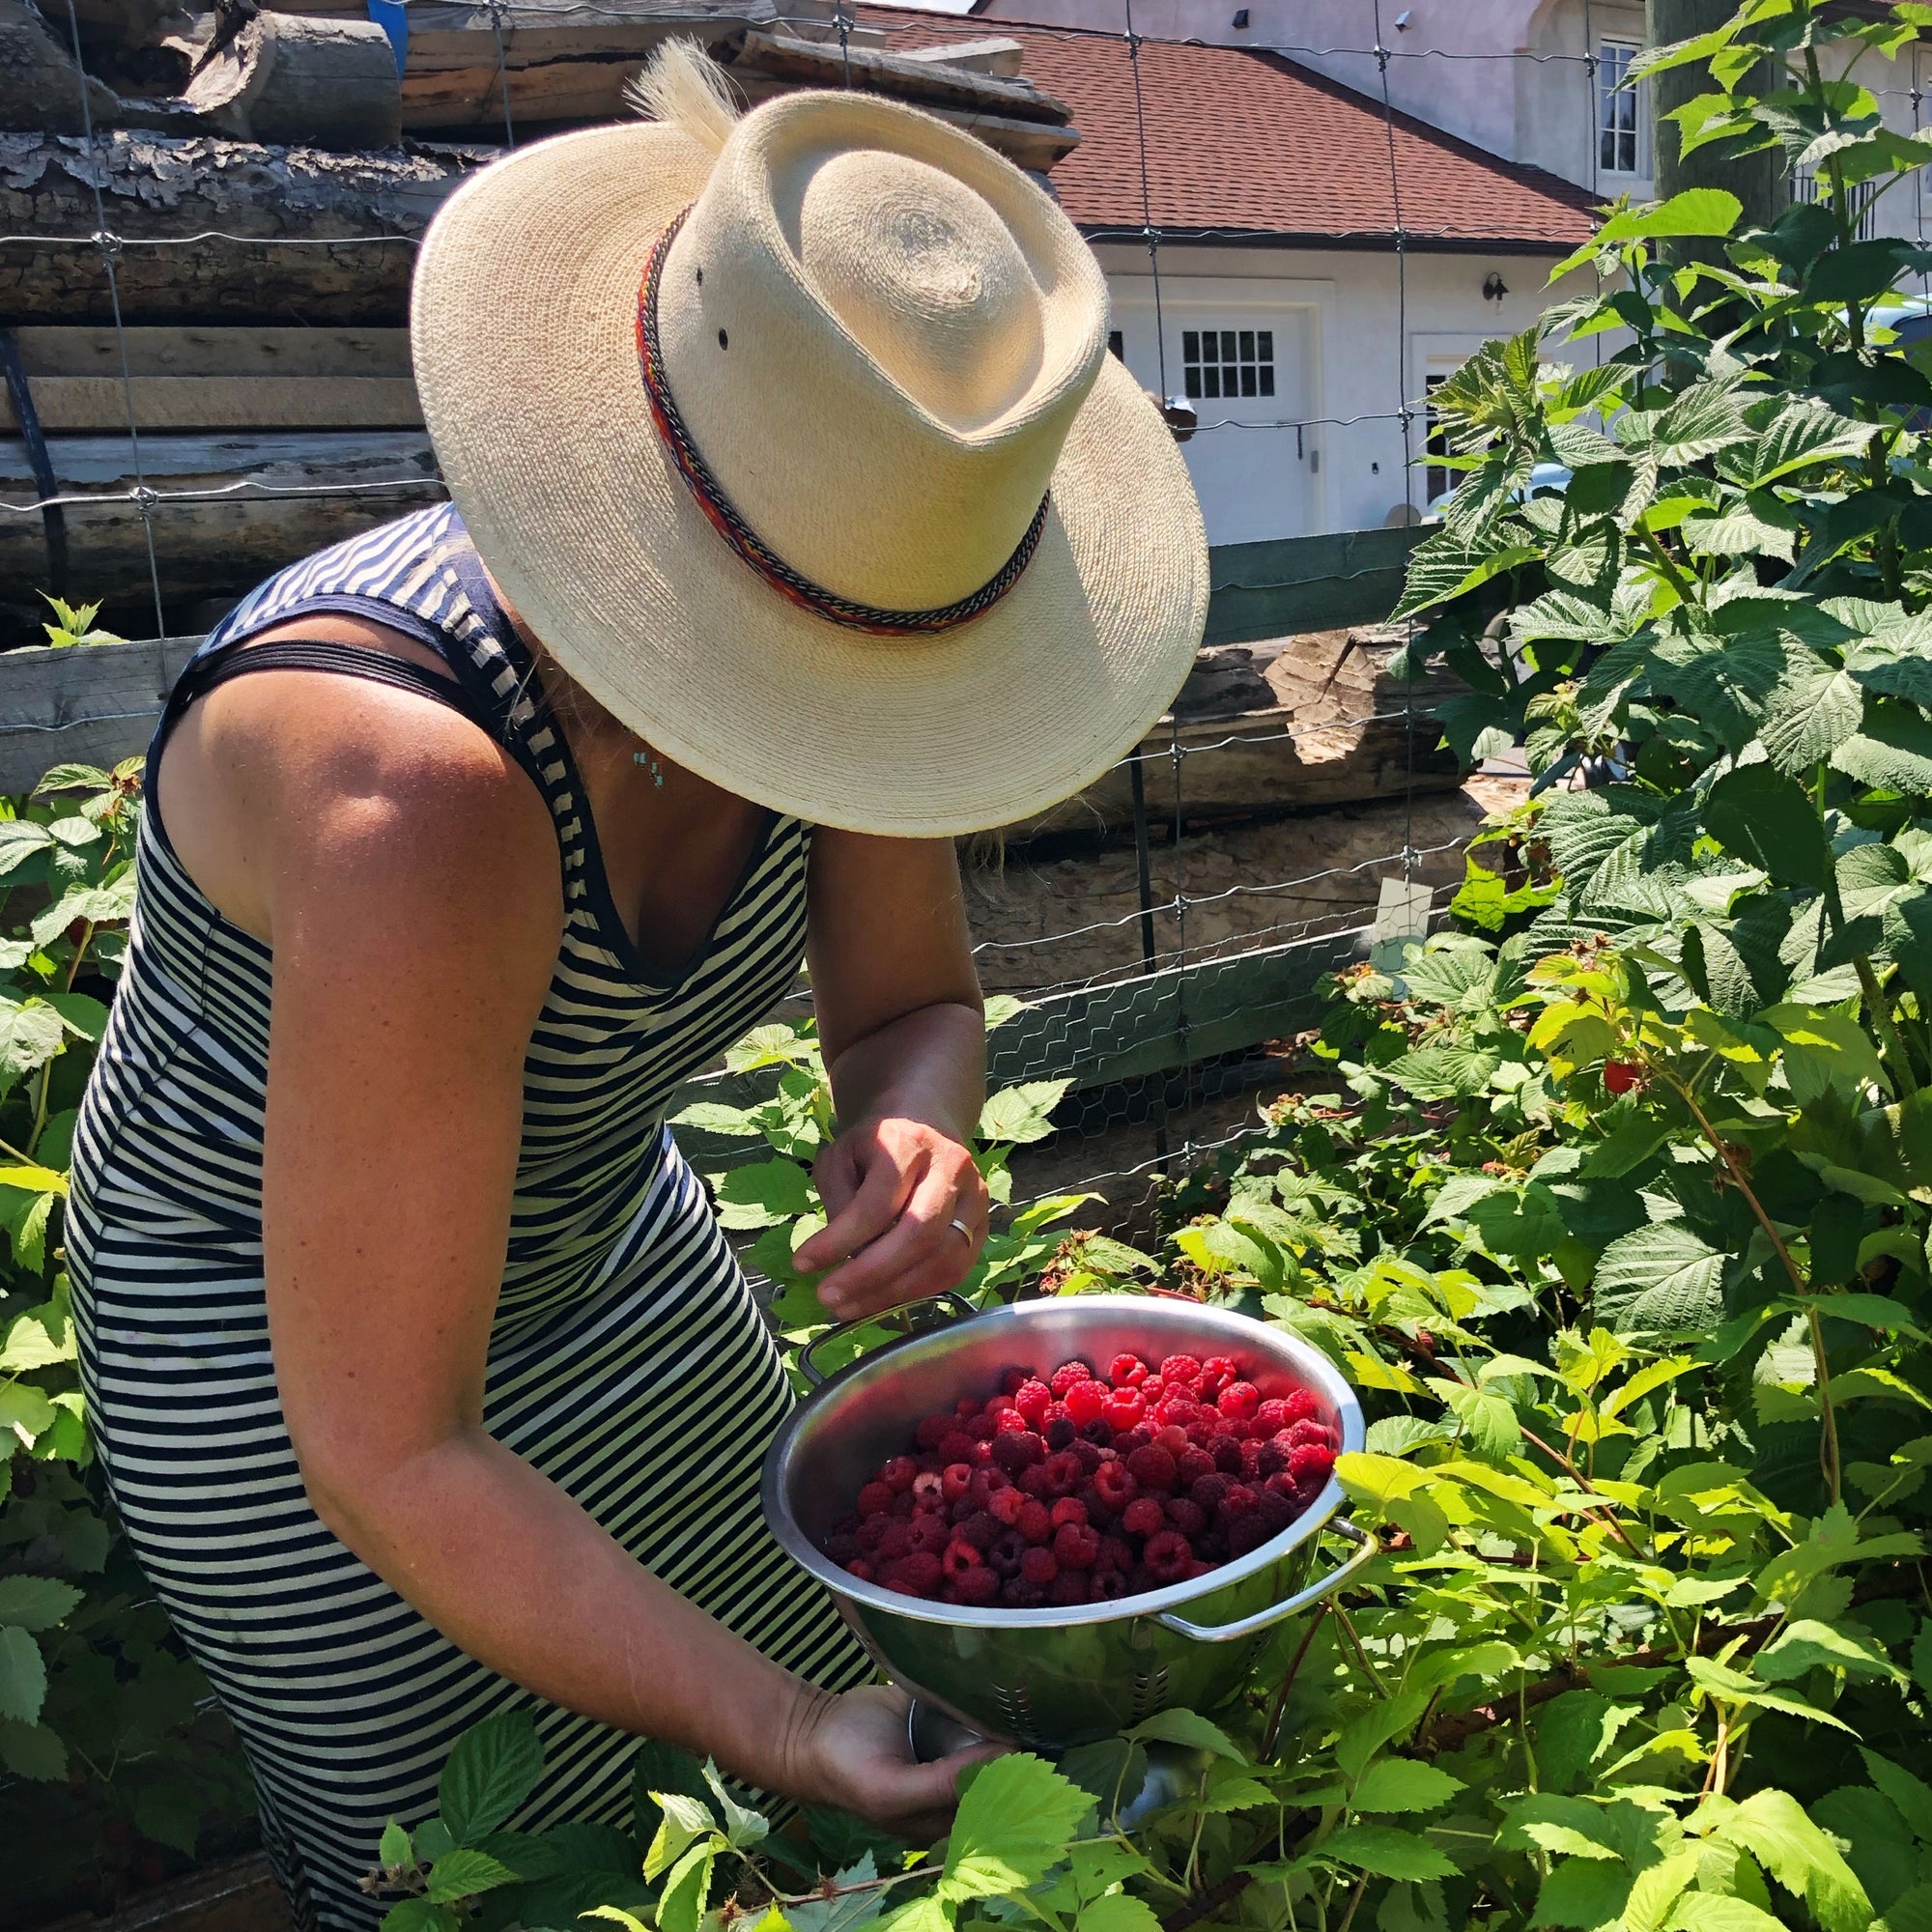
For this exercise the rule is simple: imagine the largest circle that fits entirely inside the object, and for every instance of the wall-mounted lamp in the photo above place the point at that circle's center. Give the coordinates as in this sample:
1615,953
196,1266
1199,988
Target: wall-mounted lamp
1181,416
1494,288
1241,16
1402,21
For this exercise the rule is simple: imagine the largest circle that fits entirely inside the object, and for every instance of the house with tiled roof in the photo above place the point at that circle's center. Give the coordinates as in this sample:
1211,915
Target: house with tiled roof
1317,260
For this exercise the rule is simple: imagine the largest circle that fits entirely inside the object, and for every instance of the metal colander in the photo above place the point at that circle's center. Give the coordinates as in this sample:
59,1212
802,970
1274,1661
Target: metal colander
1053,1677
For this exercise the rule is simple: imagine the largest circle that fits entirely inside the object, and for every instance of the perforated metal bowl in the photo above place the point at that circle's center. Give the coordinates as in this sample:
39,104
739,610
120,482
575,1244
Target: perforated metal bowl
1057,1676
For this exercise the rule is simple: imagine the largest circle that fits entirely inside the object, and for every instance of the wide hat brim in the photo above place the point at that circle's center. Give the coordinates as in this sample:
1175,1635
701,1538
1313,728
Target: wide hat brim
524,333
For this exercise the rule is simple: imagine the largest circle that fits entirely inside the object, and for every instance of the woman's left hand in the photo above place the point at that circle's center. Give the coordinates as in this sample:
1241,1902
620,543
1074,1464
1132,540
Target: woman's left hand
894,1190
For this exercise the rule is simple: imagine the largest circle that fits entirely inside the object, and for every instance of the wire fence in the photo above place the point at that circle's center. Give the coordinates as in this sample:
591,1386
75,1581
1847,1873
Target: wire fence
1168,1010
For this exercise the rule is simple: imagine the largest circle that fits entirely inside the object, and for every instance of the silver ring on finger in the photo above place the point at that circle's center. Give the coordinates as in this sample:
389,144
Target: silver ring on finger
971,1238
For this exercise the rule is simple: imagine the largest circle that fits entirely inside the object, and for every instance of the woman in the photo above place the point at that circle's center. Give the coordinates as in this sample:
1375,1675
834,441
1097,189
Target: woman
800,521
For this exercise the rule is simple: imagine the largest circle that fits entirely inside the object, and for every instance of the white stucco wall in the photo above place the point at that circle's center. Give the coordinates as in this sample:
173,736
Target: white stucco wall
1361,357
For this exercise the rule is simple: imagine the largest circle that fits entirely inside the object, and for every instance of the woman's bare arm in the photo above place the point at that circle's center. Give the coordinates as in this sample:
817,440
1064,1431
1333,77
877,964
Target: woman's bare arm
408,871
903,1029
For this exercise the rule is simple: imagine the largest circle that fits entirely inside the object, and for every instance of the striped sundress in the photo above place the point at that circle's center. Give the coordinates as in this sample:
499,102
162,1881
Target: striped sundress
622,1311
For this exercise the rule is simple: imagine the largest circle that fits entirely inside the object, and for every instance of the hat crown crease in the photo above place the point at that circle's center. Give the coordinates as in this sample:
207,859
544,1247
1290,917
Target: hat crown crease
891,335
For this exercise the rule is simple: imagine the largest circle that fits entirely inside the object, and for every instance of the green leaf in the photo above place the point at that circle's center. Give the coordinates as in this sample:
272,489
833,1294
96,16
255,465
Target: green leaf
1189,1728
1491,1422
1911,1796
1116,1912
1402,1784
1583,1894
462,1873
32,1751
762,1192
30,1345
1814,709
26,1411
1772,1826
1022,1113
683,1820
36,1603
1803,433
1768,820
494,1766
1909,1911
419,1914
1804,1645
31,1033
1892,752
1448,563
393,1848
1711,1912
712,1117
1387,1852
23,1676
1660,1279
1012,1824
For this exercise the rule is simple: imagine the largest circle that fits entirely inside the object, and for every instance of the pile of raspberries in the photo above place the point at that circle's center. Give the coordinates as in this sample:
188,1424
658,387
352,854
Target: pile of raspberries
1079,1488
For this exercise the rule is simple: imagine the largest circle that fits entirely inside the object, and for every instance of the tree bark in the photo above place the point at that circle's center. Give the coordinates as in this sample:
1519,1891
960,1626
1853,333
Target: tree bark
255,198
1759,181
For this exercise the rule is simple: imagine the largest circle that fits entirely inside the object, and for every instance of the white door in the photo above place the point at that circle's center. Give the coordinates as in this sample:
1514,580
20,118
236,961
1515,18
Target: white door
1242,354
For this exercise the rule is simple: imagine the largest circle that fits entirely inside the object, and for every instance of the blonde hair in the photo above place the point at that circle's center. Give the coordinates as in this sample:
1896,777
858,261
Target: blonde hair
686,89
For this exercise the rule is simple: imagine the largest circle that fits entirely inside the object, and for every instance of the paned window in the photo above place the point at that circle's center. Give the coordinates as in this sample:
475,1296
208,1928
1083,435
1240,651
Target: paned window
1804,187
1218,362
1616,108
1438,475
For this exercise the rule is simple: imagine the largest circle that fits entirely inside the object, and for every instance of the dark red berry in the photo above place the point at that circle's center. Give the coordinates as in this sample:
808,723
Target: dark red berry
899,1474
1151,1466
1115,1485
1076,1545
1037,1566
1167,1556
1035,1520
1106,1585
1069,1588
1180,1372
1226,1454
959,1556
1007,1550
1207,1492
1620,1076
1126,1370
1123,1410
976,1586
1033,1399
1017,1594
1086,1402
918,1573
1143,1516
874,1499
1066,1376
1186,1514
1068,1509
1238,1400
1017,1450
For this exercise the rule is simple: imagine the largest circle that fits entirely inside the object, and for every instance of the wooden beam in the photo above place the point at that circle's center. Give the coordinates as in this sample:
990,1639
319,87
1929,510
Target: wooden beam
91,705
50,350
1306,583
102,403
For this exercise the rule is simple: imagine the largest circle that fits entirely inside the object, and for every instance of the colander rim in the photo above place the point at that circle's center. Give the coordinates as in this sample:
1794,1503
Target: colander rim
1307,1362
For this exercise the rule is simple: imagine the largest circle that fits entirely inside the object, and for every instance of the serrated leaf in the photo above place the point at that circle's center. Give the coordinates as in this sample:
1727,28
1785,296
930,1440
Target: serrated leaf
1660,1279
1189,1728
1402,1785
31,1033
462,1873
1772,1827
1387,1852
1806,1644
1803,432
23,1676
491,1769
393,1848
1814,709
1892,752
1012,1824
36,1603
32,1751
1022,1114
1769,821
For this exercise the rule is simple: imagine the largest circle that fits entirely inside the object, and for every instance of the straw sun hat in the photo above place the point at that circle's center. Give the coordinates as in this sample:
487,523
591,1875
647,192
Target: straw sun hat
796,441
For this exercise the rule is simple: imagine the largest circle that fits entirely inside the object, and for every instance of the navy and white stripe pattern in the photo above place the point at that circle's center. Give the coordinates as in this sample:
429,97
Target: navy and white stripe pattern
624,1323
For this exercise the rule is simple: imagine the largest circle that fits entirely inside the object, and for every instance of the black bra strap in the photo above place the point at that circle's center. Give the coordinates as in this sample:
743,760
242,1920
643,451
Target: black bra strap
316,654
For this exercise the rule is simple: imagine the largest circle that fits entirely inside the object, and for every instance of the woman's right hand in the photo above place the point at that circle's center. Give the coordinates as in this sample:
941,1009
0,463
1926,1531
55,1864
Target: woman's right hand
852,1751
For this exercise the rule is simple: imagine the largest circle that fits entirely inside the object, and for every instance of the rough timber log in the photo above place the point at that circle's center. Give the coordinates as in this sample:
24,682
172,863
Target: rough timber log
157,185
286,77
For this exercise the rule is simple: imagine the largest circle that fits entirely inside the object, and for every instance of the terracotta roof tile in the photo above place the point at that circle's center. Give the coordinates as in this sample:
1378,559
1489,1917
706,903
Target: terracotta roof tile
1242,145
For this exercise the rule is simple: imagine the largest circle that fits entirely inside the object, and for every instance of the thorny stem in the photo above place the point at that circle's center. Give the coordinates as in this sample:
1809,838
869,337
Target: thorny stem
1355,1900
1895,1051
1828,1414
1675,578
823,1892
1270,1735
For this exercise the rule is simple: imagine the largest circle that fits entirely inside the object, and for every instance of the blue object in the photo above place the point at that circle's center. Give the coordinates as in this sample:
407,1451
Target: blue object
392,16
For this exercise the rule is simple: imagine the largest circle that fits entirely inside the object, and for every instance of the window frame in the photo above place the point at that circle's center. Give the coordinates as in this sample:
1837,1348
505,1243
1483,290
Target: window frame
1238,353
1620,116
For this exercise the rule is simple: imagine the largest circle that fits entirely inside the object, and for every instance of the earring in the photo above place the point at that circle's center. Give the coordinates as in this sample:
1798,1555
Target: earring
649,757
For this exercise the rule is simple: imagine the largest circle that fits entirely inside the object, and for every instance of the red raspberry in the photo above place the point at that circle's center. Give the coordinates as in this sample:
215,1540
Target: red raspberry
965,1407
1186,1514
1207,1493
931,1428
1191,1463
1272,1455
1177,1412
958,1557
1303,1405
1068,1509
1126,1372
981,1529
1152,1389
1237,1503
1281,1484
1086,1402
1009,1422
1103,1585
1008,1546
1070,1587
977,1587
872,1531
988,1482
1310,1459
1123,1410
1620,1076
1012,1380
983,1453
1247,1532
1151,1466
1171,1438
1318,1433
1127,1440
1005,1506
955,1446
874,1499
1076,1545
997,1404
1144,1517
1035,1520
1033,1399
1116,1486
1167,1556
1017,1594
1180,1372
1216,1373
861,1569
1016,1450
1038,1567
1064,1472
1091,1455
930,1532
955,1481
1115,1553
1226,1453
928,1487
897,1475
1238,1400
982,1428
1066,1376
1036,1482
916,1575
1274,1513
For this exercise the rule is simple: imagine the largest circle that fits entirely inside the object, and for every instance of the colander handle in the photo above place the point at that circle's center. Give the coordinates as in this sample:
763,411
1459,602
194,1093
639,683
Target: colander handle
959,1308
1367,1548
